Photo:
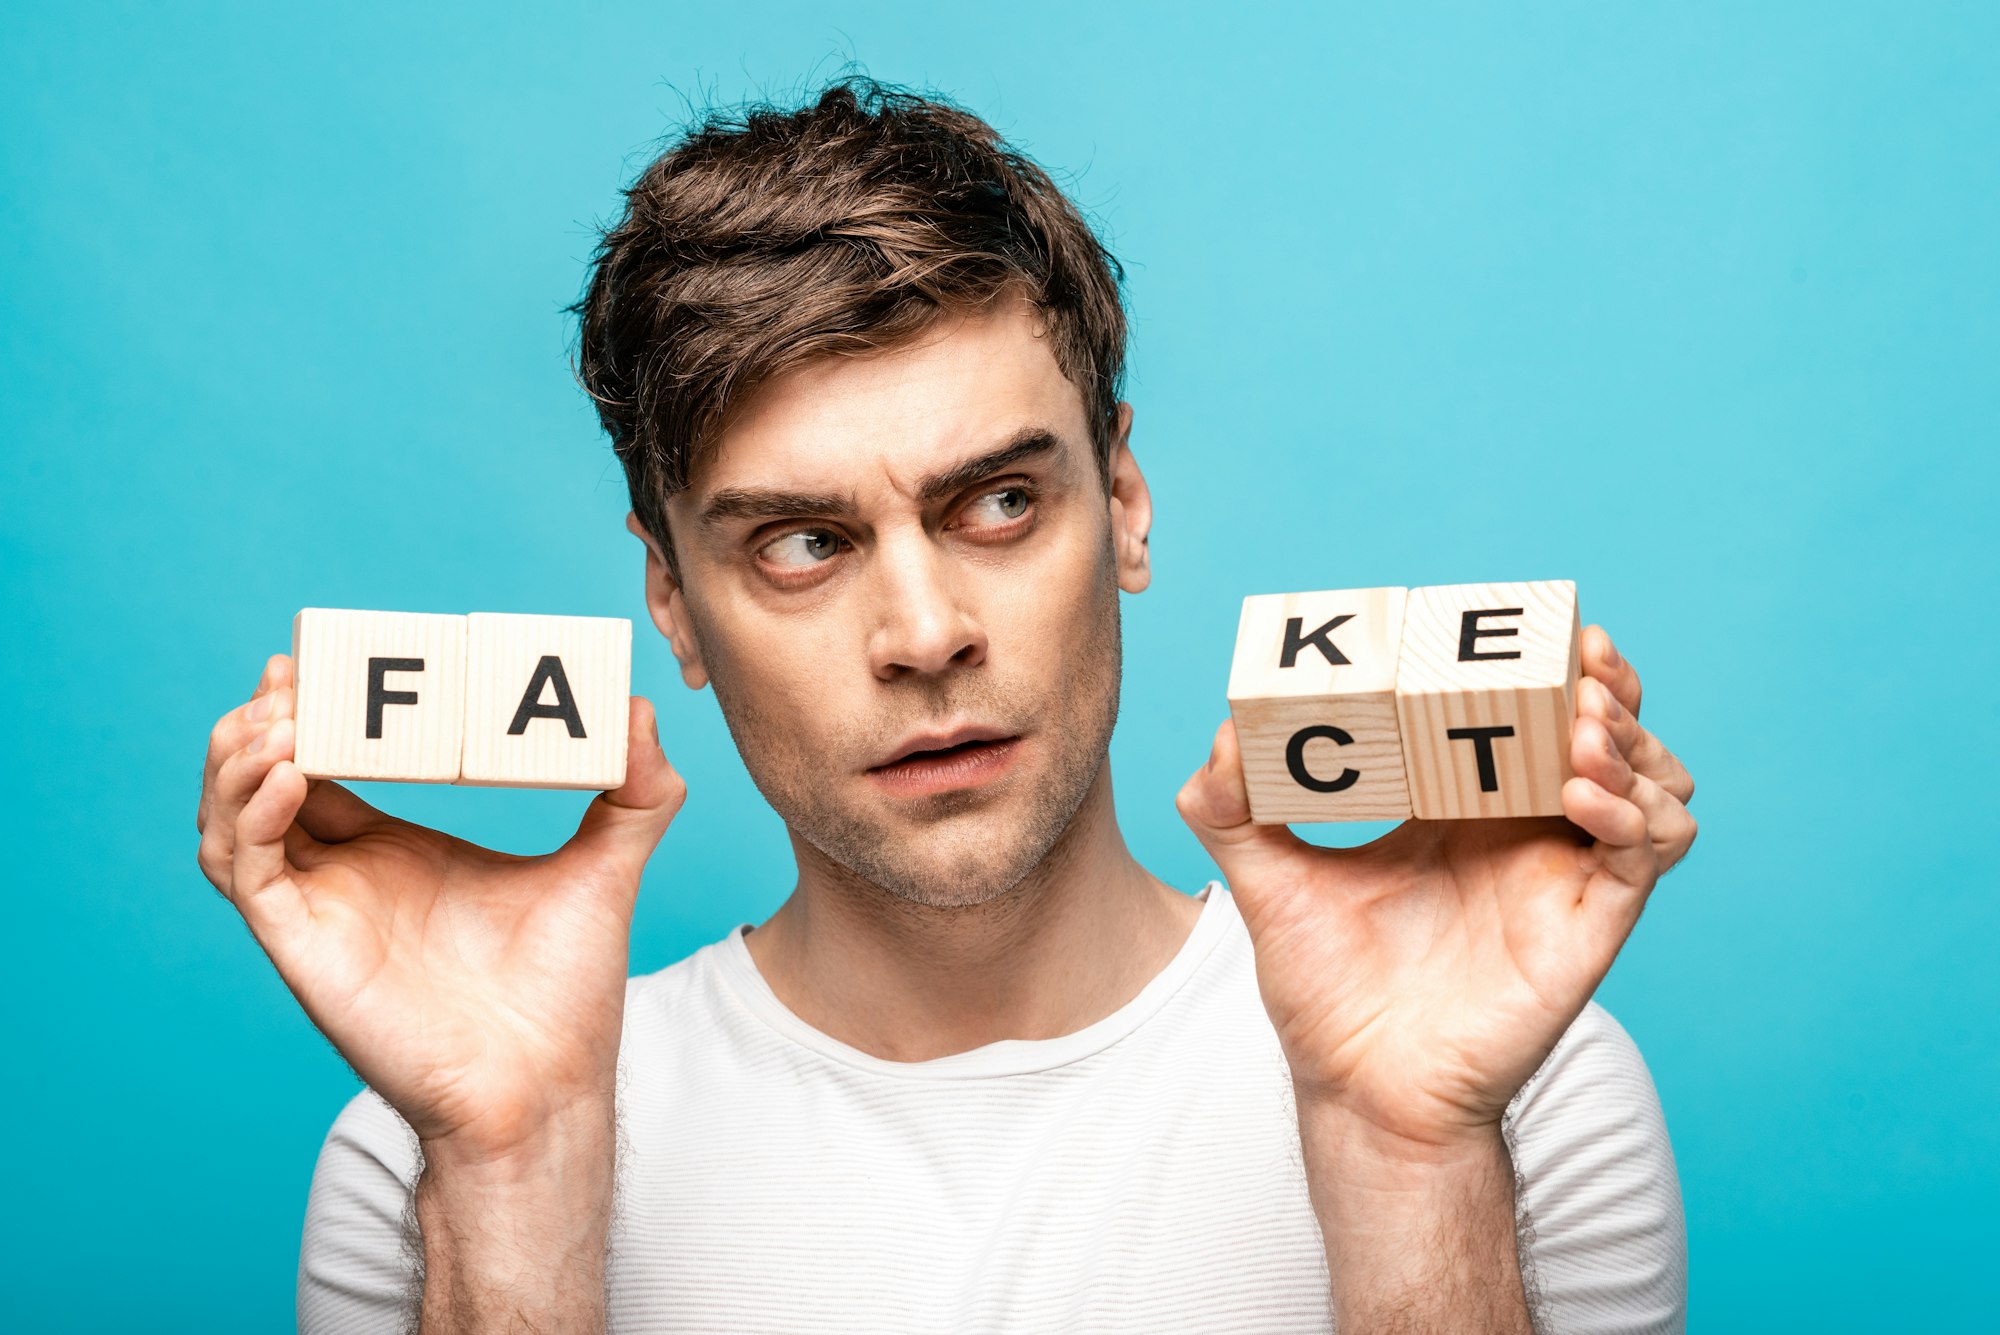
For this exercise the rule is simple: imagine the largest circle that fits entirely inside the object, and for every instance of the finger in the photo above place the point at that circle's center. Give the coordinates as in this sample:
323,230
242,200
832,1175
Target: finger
302,851
1626,872
235,783
235,727
1602,660
277,672
1668,824
1604,803
1668,828
1611,820
332,814
1640,828
261,883
1595,754
1643,751
235,730
1623,847
623,826
1215,803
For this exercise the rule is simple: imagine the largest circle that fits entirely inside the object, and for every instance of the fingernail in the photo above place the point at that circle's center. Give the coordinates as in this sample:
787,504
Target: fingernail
260,707
1611,653
257,743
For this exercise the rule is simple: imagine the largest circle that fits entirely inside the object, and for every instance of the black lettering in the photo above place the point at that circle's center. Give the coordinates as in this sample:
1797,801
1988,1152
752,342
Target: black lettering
379,695
1482,748
1295,759
1294,641
549,670
1470,631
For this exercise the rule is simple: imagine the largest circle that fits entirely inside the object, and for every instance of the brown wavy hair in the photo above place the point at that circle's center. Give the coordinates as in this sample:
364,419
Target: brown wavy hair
766,237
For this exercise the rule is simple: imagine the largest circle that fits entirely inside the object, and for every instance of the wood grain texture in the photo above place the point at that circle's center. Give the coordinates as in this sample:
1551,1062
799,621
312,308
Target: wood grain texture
419,737
1314,705
531,683
1501,670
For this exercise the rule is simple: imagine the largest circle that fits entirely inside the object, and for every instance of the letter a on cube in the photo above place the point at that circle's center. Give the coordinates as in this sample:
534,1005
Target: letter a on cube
379,695
1312,691
547,701
1486,690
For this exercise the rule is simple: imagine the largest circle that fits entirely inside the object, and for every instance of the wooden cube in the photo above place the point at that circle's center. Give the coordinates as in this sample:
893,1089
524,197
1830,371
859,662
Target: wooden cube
1312,691
1486,692
379,695
547,701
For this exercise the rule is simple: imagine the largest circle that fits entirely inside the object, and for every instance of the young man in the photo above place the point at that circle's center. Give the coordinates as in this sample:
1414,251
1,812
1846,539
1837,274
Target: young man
981,1071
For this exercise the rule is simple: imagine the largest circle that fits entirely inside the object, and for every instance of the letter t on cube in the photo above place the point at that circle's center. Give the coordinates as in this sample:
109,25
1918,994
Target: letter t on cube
1486,691
1312,691
547,701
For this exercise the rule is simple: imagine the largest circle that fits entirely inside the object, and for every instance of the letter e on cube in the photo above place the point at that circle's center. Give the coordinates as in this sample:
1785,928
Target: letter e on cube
1486,691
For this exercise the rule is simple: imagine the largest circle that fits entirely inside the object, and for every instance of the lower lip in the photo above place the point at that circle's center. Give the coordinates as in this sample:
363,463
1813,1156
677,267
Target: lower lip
967,767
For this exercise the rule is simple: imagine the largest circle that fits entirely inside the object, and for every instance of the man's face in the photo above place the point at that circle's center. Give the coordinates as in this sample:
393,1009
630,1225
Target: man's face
901,573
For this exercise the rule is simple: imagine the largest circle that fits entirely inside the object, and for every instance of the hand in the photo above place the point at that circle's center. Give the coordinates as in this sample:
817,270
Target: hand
1417,982
482,994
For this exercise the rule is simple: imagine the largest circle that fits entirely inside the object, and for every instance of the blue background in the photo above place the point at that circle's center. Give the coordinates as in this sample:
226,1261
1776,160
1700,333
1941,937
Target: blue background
1695,304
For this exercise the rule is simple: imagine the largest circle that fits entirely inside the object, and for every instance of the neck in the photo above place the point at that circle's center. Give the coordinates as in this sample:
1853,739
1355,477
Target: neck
1076,939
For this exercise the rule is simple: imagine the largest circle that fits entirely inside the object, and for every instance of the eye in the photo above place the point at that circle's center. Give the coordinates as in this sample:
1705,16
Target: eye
805,547
1000,506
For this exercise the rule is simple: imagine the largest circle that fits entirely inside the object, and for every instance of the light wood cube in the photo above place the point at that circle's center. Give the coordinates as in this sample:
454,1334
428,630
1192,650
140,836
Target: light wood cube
1312,692
547,701
1486,691
379,695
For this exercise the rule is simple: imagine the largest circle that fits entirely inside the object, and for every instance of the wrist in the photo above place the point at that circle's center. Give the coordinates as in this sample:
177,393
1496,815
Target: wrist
1369,1149
1419,1223
514,1233
554,1183
548,1192
517,1146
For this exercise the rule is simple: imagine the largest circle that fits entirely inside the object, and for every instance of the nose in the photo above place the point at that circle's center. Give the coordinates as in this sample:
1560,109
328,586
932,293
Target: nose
923,626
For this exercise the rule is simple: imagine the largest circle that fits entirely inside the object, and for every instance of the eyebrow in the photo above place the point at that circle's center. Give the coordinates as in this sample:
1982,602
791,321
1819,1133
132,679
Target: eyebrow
1032,442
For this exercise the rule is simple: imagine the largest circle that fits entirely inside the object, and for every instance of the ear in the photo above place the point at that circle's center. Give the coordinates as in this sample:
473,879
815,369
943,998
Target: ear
1131,509
668,605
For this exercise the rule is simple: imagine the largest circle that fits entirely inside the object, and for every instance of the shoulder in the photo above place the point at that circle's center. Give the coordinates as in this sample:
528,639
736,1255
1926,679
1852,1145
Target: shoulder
1599,1202
369,1140
1593,1079
688,981
680,1008
357,1268
1215,982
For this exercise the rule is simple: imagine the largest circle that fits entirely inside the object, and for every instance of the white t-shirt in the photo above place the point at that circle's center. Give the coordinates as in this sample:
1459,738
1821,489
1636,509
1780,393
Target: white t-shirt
1140,1175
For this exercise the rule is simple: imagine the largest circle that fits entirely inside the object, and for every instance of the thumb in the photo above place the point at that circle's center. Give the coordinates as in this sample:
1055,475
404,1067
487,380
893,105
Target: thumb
623,826
1215,803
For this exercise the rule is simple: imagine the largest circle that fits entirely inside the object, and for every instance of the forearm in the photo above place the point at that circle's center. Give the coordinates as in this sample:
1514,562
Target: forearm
515,1241
1418,1238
